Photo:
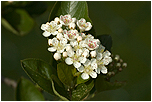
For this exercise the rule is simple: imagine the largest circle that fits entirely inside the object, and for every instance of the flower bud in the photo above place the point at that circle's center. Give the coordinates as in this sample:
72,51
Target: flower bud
124,65
72,25
117,57
118,65
68,48
79,38
112,73
65,54
57,20
120,69
50,42
93,53
60,30
120,60
57,56
109,73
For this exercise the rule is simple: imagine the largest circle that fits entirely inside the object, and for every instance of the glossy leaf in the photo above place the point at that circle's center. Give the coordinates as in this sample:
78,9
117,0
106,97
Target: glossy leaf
102,85
41,73
82,90
65,73
77,9
106,41
26,91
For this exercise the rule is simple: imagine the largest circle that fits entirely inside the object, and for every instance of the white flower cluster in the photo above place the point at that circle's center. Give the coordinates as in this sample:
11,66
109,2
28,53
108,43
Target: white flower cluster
82,50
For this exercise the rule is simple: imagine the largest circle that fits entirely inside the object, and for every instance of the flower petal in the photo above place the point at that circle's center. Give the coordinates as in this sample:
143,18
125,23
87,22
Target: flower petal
104,70
70,53
74,43
68,61
80,69
99,56
79,52
97,70
85,76
54,33
87,63
89,26
57,56
52,49
77,64
46,34
82,59
59,36
93,74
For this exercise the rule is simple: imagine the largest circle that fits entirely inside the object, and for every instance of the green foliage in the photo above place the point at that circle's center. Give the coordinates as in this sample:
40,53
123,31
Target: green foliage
26,91
102,85
65,74
41,73
21,24
82,90
63,98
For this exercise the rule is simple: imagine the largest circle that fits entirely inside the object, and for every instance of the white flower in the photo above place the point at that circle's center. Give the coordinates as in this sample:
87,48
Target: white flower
58,46
92,44
83,25
101,68
106,60
88,69
66,20
78,45
50,28
71,34
102,60
75,58
57,56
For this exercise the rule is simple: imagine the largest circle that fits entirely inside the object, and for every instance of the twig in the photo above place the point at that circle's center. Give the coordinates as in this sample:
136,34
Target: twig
9,82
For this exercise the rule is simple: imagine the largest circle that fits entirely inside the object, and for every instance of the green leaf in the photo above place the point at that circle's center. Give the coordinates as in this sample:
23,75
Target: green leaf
41,73
102,85
77,9
8,26
80,80
26,91
65,75
82,90
17,21
106,41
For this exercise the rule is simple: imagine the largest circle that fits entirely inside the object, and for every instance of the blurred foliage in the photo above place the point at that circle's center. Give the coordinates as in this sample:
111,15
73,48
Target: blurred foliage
127,22
26,91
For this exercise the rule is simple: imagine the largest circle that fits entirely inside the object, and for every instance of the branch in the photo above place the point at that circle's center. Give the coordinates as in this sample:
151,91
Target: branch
9,82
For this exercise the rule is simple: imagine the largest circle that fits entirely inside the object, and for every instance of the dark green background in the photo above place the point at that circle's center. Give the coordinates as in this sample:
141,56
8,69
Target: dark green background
129,24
